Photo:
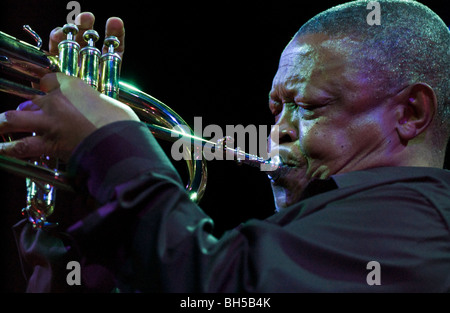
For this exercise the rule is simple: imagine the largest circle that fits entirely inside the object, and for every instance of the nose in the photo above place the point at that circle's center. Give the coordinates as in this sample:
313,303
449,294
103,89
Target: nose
284,134
286,129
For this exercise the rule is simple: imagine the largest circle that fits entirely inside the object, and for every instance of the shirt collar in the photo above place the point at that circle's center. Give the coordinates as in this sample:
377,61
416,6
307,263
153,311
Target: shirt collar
372,176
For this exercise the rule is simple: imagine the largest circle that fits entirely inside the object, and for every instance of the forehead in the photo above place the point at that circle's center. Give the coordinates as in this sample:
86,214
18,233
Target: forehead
314,59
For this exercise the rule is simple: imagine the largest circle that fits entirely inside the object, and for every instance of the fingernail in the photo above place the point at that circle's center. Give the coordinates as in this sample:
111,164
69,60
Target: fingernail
55,30
3,117
5,147
23,105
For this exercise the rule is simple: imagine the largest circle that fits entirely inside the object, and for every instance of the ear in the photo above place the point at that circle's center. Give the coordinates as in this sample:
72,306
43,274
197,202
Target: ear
416,110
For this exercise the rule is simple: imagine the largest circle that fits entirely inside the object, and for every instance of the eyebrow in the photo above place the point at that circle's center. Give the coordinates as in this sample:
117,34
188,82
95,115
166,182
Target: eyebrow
282,92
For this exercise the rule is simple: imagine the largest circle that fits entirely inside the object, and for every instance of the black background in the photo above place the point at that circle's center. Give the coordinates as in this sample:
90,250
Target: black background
214,60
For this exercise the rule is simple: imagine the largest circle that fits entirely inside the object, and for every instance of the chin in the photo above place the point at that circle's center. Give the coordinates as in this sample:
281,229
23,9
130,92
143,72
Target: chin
288,189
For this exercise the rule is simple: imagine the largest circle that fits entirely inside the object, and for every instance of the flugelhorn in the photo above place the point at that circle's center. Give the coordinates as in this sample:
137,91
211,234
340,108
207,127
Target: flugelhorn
30,63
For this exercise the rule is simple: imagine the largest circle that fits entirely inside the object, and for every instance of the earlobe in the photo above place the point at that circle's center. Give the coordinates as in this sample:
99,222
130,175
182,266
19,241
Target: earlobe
416,110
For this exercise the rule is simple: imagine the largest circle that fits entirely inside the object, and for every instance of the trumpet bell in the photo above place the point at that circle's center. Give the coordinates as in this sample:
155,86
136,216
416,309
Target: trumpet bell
29,63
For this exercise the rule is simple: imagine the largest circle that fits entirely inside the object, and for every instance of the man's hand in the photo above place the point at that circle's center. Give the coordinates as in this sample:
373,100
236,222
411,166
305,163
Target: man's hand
69,112
85,21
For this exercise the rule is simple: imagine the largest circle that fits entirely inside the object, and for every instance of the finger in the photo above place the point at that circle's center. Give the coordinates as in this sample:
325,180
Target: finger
56,36
115,27
50,82
21,121
28,106
27,147
84,21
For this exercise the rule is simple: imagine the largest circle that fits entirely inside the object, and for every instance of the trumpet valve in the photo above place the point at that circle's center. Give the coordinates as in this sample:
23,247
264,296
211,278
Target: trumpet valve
91,37
71,30
112,43
110,67
90,59
69,51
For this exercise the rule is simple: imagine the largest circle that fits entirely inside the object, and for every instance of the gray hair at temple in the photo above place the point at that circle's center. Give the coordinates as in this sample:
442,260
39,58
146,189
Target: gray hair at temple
411,45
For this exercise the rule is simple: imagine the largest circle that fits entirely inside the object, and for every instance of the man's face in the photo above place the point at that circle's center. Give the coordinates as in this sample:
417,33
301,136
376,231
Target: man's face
332,118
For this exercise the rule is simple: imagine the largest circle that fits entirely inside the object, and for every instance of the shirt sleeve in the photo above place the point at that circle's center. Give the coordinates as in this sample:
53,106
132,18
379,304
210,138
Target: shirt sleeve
153,238
147,231
146,228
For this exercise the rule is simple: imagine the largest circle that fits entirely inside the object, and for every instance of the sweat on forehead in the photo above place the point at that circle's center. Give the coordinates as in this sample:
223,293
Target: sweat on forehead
317,53
305,44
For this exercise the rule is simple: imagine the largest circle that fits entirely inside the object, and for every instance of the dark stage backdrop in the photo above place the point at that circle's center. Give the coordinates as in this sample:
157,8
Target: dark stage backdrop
213,60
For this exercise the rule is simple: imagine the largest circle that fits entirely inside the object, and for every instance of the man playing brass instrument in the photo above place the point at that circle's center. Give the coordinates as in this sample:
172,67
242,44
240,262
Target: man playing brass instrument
363,204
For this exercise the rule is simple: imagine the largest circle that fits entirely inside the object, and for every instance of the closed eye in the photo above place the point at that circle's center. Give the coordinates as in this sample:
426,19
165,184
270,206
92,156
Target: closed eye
311,105
275,107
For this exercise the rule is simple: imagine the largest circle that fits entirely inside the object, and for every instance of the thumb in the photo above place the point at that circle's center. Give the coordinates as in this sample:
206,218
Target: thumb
51,81
27,147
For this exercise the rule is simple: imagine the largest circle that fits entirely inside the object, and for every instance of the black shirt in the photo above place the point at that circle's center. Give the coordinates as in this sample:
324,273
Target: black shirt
379,230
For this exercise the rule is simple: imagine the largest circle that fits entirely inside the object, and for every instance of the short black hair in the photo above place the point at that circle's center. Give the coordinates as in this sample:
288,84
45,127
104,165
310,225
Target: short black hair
411,45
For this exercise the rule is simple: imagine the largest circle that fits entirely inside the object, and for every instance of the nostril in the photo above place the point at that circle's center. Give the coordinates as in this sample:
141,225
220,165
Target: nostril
287,136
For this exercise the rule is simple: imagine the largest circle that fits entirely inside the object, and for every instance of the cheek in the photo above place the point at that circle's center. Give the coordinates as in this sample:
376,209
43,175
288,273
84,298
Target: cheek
318,137
332,140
